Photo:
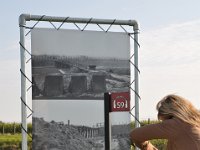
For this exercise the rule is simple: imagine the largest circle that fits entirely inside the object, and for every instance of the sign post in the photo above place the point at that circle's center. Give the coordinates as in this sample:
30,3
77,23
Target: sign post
107,126
114,102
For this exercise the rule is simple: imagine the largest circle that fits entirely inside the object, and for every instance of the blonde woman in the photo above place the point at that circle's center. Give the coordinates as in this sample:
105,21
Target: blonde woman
180,126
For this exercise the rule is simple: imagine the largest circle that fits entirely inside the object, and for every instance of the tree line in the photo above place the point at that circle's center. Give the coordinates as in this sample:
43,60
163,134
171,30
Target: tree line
13,128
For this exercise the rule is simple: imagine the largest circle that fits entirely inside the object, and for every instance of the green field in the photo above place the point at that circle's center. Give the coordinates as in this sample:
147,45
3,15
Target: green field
11,142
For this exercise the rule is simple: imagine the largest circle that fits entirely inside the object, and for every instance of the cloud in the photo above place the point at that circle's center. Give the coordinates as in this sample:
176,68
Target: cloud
10,88
11,50
170,63
176,44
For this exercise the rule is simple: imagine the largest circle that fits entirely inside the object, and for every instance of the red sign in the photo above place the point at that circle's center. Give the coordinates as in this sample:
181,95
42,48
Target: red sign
120,101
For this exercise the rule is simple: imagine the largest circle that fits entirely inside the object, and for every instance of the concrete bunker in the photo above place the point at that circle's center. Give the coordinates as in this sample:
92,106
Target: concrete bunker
53,85
98,83
78,84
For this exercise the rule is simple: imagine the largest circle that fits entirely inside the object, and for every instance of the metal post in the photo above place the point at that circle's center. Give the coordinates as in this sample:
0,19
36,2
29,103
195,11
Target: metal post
136,71
107,126
22,22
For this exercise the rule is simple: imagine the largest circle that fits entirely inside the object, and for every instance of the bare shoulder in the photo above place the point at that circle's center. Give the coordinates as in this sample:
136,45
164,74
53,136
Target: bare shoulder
174,125
173,121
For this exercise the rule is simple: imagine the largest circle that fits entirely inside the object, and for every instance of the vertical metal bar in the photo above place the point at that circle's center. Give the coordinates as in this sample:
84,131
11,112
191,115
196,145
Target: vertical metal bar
22,23
107,121
136,47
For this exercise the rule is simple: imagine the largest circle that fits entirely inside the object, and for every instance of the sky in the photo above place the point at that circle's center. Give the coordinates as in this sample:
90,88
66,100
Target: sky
169,39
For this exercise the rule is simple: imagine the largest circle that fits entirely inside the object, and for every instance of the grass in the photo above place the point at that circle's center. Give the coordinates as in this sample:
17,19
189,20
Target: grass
11,142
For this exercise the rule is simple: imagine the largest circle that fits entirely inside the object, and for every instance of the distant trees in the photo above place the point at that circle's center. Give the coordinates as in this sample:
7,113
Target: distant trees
12,128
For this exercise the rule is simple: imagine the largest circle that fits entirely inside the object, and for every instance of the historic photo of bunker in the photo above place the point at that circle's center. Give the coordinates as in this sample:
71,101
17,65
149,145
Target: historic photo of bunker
71,64
78,77
71,71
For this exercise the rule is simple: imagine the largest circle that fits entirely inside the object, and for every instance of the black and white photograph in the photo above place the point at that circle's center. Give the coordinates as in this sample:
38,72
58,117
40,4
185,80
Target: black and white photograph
68,125
77,124
79,65
71,71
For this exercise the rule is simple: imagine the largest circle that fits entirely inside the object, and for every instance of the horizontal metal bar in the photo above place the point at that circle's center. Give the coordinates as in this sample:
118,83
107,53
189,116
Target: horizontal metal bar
28,17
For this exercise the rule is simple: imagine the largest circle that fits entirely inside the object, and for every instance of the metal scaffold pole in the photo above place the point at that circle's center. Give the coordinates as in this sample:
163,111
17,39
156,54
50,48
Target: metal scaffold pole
22,22
136,72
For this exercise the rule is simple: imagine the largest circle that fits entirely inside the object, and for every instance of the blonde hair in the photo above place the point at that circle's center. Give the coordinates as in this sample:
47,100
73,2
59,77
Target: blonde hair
177,106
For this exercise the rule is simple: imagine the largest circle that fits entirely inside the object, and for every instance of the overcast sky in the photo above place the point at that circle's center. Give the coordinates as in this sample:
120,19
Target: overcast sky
169,39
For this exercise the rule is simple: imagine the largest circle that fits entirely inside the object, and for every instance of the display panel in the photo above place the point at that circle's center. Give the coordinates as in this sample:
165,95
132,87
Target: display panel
71,71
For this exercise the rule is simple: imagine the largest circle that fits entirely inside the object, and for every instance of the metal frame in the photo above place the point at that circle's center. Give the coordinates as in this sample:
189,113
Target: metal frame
22,24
